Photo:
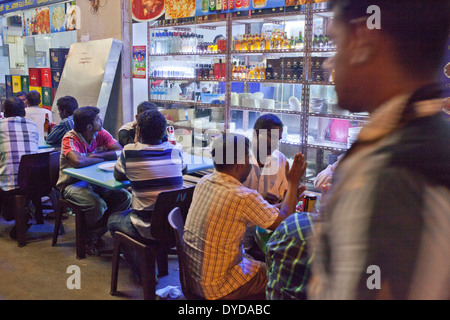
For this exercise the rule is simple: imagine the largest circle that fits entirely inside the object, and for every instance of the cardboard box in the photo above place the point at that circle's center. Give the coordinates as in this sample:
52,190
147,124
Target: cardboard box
56,78
16,84
35,78
47,97
58,58
38,89
25,83
46,76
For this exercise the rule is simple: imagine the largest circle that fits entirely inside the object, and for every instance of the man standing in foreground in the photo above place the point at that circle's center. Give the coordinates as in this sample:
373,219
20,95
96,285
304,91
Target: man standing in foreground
387,224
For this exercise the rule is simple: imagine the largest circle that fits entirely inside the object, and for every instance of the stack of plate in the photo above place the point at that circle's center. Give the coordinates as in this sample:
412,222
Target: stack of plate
317,104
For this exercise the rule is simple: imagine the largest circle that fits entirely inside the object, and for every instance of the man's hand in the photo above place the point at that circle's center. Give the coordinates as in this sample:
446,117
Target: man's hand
294,175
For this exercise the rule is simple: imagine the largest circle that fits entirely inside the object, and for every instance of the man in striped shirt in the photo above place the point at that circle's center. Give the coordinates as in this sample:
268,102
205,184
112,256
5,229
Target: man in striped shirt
18,136
66,107
152,166
221,210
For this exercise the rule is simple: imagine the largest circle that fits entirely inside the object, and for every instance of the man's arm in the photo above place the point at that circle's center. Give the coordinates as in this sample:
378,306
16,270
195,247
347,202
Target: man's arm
108,155
293,176
79,161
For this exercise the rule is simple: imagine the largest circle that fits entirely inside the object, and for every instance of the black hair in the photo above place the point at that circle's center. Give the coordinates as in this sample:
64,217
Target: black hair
82,117
419,29
146,105
228,150
152,126
68,104
21,93
267,121
34,98
14,107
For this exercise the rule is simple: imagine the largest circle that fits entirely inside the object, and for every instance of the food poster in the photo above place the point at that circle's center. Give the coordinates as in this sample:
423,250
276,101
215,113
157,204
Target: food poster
72,16
139,62
42,20
176,9
58,18
205,7
147,10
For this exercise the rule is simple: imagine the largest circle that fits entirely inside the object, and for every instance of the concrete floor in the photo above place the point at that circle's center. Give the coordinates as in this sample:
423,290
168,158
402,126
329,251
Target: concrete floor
40,271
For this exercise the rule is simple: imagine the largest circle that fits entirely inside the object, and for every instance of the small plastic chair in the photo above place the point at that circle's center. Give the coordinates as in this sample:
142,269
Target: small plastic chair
177,222
155,251
34,183
80,215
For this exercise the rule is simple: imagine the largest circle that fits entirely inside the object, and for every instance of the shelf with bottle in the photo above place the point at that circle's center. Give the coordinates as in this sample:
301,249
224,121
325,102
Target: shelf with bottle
274,42
179,42
211,20
187,103
198,69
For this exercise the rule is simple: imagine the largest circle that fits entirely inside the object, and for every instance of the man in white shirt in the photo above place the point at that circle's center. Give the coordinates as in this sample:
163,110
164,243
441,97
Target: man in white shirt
37,114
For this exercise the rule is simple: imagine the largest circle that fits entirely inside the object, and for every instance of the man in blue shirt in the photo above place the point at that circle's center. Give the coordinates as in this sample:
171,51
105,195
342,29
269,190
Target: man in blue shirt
66,106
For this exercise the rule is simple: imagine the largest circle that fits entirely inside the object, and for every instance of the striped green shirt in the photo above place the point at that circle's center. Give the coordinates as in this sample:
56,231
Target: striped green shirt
288,259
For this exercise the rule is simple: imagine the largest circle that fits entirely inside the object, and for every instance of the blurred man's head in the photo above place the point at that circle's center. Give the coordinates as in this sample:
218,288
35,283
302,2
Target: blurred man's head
22,96
33,98
373,65
14,107
151,127
230,153
144,106
66,106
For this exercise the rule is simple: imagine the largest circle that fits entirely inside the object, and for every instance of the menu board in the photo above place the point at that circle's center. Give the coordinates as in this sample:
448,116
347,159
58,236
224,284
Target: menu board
205,7
147,10
51,19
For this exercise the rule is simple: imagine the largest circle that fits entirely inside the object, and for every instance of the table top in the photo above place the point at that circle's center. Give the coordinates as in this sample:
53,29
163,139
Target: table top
95,175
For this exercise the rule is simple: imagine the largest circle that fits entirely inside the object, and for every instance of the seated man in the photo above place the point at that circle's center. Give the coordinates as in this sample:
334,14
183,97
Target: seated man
22,96
66,107
289,258
18,136
127,132
152,166
221,210
268,173
37,114
88,144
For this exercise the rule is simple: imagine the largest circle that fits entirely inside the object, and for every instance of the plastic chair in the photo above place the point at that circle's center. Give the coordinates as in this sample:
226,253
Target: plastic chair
34,183
155,251
177,222
80,215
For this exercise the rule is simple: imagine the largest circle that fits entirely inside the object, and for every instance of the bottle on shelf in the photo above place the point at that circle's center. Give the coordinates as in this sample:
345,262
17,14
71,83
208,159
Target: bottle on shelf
299,44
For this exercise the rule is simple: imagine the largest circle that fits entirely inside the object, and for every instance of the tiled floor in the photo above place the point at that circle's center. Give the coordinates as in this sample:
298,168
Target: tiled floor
42,272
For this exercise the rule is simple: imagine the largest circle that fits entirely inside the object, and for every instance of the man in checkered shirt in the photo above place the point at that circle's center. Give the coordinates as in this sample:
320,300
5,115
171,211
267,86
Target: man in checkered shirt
18,136
221,210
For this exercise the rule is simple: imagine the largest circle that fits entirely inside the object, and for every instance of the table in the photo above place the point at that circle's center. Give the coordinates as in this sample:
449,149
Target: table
94,175
197,163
